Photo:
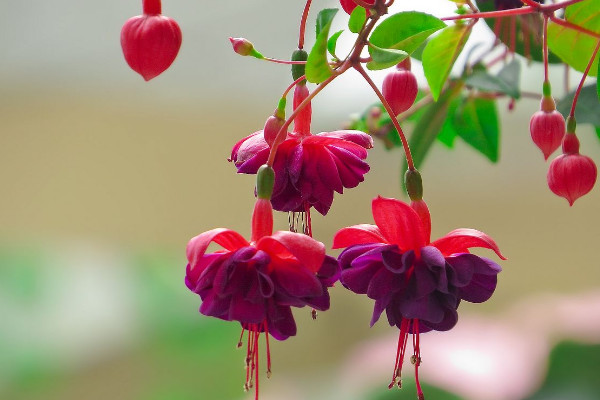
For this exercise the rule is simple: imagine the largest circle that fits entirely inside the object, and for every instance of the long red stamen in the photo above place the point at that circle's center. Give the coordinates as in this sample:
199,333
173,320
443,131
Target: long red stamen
241,338
417,357
402,337
266,326
248,359
257,335
513,34
308,227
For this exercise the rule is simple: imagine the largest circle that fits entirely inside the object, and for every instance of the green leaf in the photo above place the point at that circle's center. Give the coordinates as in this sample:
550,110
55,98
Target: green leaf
384,58
477,123
332,43
598,82
507,80
317,65
441,53
324,19
357,19
573,47
587,110
429,125
448,131
597,131
404,31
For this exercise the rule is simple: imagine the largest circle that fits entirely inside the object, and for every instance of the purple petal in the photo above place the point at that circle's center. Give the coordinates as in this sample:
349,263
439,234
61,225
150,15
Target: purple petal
480,289
281,322
382,283
330,271
215,306
427,308
243,310
448,322
296,280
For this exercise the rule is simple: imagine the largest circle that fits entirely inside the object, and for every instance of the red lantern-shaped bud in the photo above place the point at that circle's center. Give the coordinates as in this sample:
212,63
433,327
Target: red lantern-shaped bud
547,127
273,125
150,41
400,88
350,5
571,175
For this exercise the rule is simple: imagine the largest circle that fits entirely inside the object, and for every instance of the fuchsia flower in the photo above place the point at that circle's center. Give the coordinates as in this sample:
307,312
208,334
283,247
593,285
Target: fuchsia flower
547,127
150,41
256,283
308,168
350,5
418,283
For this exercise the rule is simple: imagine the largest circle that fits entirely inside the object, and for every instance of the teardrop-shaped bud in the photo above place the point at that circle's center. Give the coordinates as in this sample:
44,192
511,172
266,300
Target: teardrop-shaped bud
272,127
150,41
547,131
400,90
572,175
350,5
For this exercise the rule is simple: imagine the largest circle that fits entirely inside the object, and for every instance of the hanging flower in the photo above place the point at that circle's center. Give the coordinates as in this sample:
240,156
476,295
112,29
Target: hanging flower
418,283
308,168
257,282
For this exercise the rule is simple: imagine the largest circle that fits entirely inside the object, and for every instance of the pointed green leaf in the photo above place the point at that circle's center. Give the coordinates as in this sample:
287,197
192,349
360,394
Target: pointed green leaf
507,80
332,43
384,58
477,123
405,31
317,65
448,131
441,53
598,82
357,19
573,47
587,110
597,131
324,19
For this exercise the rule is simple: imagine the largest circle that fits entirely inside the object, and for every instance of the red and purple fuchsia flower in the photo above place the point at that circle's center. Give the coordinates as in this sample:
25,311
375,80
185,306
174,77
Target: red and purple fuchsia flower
308,168
257,282
418,283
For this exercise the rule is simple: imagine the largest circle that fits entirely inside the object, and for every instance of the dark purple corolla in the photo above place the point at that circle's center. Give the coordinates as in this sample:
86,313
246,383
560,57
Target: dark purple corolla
308,168
417,283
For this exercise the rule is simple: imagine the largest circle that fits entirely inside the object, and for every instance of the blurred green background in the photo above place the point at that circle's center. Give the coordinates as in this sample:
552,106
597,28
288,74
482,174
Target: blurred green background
104,178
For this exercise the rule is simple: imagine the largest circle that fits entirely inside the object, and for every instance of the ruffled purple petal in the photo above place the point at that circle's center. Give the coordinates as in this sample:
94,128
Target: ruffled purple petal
281,322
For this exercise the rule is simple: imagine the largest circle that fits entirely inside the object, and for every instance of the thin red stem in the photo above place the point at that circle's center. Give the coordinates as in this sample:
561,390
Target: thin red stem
275,60
531,3
283,131
577,28
151,7
297,81
303,25
585,74
545,48
391,113
363,4
549,8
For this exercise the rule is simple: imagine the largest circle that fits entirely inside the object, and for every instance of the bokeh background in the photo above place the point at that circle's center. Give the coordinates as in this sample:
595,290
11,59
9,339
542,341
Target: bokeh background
104,178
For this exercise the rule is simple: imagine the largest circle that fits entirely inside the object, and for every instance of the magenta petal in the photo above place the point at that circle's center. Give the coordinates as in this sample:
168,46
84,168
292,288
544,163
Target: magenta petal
307,250
281,322
448,322
358,137
226,238
398,223
382,283
460,240
297,281
215,306
426,308
357,234
245,311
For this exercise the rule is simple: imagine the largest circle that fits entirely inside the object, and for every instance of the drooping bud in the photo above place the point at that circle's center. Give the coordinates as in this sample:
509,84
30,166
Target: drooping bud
571,175
414,184
547,127
299,70
304,117
151,41
274,123
350,5
400,89
265,180
244,47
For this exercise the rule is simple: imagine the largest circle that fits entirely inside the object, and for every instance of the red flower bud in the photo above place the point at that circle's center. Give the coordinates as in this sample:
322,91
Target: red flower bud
400,90
272,127
571,175
150,41
547,127
350,5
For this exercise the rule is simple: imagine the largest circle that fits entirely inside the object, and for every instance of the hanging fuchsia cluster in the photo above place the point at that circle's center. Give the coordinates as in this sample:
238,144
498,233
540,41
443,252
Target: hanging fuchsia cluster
418,283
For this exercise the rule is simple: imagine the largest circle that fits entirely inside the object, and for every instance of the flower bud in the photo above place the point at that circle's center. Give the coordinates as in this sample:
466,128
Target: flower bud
400,90
265,180
272,127
350,5
547,130
150,41
299,70
304,117
244,47
571,175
